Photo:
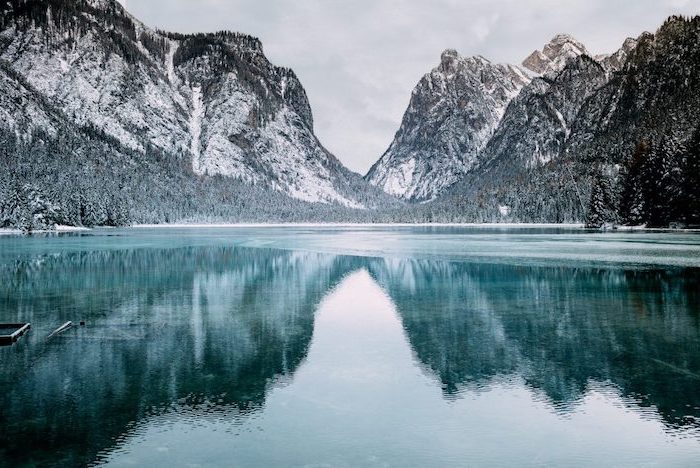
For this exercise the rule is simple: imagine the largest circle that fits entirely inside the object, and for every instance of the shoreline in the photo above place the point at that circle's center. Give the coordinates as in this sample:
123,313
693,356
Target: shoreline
362,225
59,229
573,226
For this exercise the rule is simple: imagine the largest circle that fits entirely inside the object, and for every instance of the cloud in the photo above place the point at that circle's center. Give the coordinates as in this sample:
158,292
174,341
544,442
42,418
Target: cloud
360,60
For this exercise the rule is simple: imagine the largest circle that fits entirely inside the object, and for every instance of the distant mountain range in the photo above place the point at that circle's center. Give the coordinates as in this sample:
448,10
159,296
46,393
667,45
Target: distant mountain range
567,131
104,121
469,110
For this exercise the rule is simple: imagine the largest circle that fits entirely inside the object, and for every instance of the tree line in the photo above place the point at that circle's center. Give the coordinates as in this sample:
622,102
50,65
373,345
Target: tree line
658,186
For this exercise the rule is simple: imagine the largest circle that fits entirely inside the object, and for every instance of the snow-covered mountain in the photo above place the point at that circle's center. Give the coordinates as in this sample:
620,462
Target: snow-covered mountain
469,114
453,113
538,122
212,101
555,55
626,124
621,129
104,121
458,108
615,62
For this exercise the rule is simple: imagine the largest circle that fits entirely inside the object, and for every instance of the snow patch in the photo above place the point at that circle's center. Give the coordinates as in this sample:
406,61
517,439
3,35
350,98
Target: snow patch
170,61
59,229
563,123
400,179
196,128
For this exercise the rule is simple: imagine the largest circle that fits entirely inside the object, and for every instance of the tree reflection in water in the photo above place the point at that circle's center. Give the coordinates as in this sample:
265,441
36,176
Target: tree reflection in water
209,331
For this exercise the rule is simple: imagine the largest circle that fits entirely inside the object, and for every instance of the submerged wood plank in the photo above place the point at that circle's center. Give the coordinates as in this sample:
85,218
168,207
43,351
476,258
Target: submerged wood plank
19,329
61,329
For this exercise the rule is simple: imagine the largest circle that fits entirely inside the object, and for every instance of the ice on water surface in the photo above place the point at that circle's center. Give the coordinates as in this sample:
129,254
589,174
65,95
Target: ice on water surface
352,346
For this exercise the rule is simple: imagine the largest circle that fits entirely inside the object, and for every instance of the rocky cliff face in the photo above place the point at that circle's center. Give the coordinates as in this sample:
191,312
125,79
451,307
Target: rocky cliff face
472,125
555,55
615,62
212,101
538,122
453,113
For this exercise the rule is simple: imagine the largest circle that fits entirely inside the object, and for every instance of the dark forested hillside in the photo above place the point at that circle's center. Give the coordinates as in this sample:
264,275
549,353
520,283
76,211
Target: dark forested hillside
641,127
80,179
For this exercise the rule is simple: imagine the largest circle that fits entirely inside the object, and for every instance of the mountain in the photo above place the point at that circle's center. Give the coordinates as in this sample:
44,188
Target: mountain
456,110
538,121
590,133
104,121
528,142
211,104
53,171
616,62
555,55
453,113
606,139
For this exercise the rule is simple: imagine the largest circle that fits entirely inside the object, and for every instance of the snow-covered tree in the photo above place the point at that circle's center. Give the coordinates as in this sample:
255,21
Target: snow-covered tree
26,207
603,206
632,206
691,199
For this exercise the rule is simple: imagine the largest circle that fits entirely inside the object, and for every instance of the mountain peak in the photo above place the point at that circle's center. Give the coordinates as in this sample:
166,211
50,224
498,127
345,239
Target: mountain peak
448,60
453,112
616,61
562,39
449,54
555,55
102,3
451,62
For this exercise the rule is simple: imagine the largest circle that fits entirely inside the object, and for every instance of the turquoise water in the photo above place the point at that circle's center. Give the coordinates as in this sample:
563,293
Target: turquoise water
352,347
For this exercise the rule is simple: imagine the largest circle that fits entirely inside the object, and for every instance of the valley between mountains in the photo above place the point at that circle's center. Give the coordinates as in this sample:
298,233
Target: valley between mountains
107,122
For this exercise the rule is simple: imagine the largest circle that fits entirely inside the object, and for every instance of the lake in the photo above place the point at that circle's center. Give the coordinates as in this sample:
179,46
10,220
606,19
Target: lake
352,346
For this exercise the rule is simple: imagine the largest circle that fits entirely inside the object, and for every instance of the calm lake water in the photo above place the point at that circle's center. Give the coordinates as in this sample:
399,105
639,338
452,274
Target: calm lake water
404,346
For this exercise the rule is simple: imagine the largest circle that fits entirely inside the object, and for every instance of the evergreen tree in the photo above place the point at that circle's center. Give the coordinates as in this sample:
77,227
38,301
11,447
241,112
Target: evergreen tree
27,208
652,177
691,191
672,179
632,206
15,208
602,209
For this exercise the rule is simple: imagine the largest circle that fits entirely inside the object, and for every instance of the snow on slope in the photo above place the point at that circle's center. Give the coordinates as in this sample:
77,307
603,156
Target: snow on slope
214,99
196,129
170,62
454,110
468,111
19,112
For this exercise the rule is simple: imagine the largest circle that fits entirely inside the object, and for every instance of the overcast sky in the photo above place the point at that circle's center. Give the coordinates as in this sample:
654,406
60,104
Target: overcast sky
359,60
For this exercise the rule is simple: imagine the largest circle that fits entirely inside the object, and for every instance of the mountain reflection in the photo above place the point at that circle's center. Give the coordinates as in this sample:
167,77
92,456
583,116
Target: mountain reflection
187,327
557,328
212,329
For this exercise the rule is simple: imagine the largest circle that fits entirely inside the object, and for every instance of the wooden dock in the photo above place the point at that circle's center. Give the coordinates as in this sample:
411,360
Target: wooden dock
11,332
